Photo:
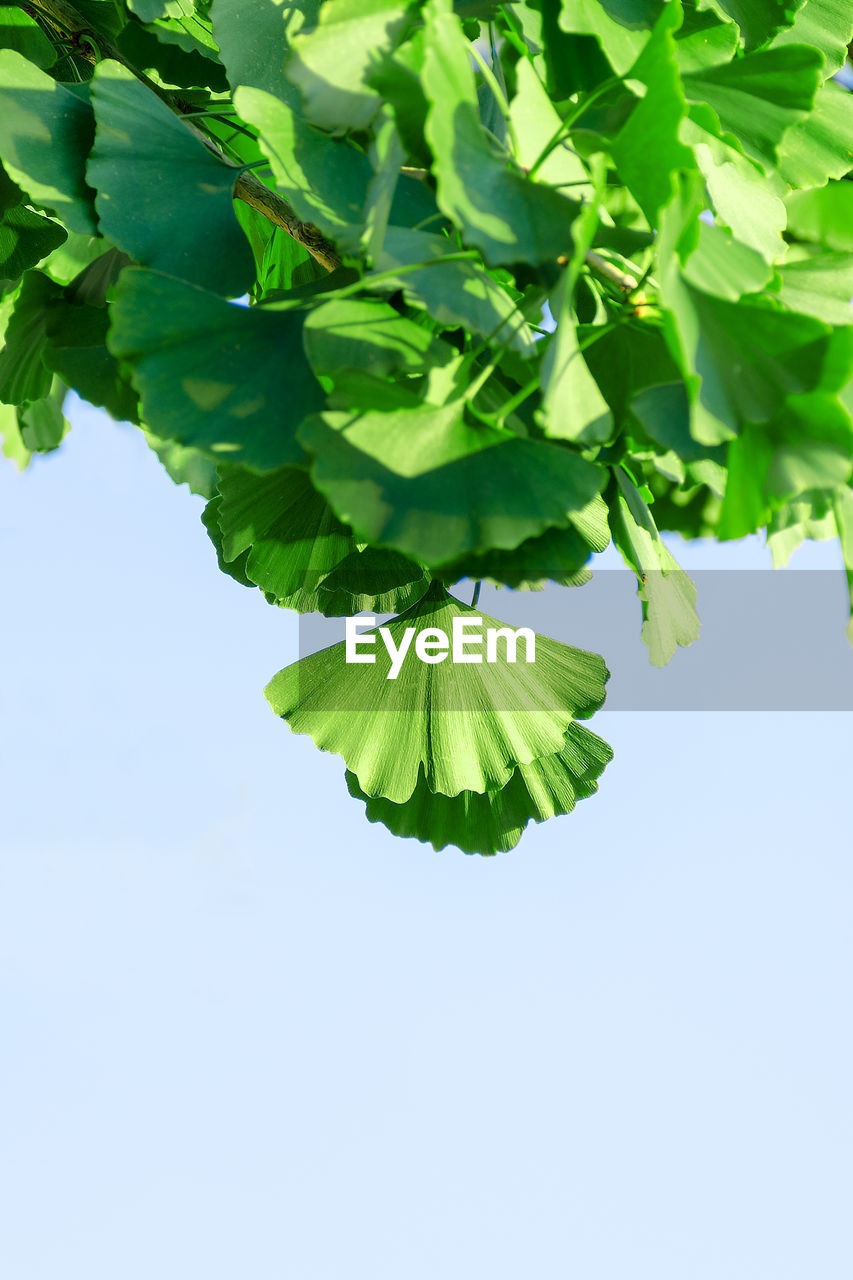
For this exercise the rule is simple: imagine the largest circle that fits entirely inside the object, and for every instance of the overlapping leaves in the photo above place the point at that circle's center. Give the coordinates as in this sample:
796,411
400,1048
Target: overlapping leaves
664,183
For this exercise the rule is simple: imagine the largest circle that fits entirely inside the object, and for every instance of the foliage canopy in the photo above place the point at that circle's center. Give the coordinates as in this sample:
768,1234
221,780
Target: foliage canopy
419,292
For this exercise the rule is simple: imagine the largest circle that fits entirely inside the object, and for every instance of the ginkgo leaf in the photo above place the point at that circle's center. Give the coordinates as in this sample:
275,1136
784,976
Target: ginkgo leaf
820,286
759,20
454,292
821,146
331,65
467,726
24,376
506,215
558,555
254,40
77,351
372,579
494,821
759,96
826,25
823,217
26,238
141,150
288,530
46,131
648,150
621,30
326,180
573,407
843,511
229,380
667,593
424,481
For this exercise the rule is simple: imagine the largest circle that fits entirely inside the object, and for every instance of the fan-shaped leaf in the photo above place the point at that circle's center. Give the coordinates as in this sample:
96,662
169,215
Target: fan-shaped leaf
466,726
225,379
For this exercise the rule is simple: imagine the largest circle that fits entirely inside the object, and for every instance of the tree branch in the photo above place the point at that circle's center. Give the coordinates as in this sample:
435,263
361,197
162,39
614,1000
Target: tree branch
69,22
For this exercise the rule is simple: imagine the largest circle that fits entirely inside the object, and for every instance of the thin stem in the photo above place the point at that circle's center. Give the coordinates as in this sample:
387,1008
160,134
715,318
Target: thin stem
476,596
578,110
497,93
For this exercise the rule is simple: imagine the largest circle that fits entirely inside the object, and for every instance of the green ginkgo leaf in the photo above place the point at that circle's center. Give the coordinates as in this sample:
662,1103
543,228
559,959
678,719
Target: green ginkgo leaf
46,132
24,376
506,215
254,39
143,149
648,150
372,579
558,555
667,593
454,292
826,25
820,147
332,64
425,482
759,96
494,821
759,20
25,238
287,531
229,380
325,179
466,726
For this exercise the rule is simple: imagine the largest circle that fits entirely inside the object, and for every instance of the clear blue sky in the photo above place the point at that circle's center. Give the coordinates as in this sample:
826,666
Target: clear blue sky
247,1035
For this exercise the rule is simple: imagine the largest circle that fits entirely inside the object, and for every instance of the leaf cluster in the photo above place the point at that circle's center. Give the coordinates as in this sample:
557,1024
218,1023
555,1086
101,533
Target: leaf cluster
414,293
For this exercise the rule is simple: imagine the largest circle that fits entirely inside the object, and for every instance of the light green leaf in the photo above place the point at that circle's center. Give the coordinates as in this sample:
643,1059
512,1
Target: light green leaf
573,407
10,434
24,376
759,20
286,531
254,38
46,132
368,334
231,381
506,215
621,28
827,25
453,292
824,216
22,33
758,97
821,146
667,593
494,821
739,191
142,150
325,180
722,266
820,286
535,124
843,509
184,466
647,150
431,486
466,726
331,65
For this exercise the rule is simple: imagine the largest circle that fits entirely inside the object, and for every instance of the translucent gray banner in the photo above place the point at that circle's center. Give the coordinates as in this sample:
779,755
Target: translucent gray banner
768,640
